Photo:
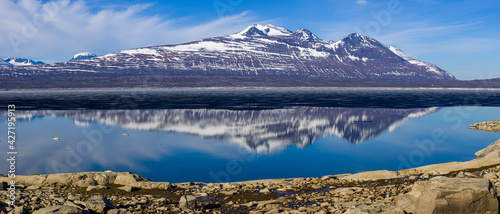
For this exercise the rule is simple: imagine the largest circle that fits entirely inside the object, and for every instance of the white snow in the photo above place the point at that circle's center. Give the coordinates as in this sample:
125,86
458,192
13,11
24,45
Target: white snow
146,51
335,45
304,52
364,59
83,54
24,62
276,31
269,30
353,57
205,45
19,63
430,67
268,40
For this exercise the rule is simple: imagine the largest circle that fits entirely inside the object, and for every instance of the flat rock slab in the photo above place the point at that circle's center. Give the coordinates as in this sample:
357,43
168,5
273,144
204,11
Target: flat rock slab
372,175
450,195
86,179
492,151
59,209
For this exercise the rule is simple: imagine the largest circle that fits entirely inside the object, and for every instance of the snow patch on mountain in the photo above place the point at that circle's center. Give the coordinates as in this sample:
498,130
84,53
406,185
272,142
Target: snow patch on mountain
145,51
256,29
272,30
430,67
202,46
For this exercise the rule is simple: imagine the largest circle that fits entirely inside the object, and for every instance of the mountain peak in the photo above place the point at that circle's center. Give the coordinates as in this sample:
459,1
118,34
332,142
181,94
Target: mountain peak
306,35
253,31
82,56
22,61
260,30
357,39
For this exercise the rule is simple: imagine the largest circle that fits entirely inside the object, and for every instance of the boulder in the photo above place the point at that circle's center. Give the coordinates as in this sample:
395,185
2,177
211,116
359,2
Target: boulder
99,204
59,209
450,195
126,188
491,151
395,210
188,201
118,211
19,210
265,191
129,179
355,210
74,204
98,187
32,188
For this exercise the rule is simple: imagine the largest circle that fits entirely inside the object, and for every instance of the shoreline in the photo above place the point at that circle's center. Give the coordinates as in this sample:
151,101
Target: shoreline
245,88
380,191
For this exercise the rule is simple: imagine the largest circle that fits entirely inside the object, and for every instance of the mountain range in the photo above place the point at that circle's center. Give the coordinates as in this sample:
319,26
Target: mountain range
13,61
256,51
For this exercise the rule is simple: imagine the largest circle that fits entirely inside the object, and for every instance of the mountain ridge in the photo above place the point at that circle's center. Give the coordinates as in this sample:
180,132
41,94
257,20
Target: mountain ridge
14,61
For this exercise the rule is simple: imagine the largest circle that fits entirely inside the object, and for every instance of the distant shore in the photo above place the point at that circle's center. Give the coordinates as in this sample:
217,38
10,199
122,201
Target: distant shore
244,88
199,81
379,191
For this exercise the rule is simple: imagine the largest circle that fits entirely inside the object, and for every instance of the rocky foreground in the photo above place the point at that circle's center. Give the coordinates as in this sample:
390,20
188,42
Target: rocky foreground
456,187
489,126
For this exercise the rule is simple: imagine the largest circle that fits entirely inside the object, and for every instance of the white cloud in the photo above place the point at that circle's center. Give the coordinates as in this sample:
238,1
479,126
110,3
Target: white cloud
361,2
424,38
58,29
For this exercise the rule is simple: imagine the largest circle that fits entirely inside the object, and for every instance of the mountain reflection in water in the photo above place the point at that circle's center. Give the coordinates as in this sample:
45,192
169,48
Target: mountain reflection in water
258,131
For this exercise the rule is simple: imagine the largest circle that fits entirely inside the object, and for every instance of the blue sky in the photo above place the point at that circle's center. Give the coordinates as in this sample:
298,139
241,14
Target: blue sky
462,37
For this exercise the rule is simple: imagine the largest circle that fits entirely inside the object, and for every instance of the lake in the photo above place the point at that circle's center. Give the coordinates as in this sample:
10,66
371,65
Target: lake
223,135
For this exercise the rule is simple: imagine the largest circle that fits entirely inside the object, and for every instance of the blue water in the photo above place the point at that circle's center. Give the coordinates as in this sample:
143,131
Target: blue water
234,144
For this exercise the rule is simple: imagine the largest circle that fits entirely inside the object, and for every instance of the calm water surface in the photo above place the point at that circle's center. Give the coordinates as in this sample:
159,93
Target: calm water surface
234,135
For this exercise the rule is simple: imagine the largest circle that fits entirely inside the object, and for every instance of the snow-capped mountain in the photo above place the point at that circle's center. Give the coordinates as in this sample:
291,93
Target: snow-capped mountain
83,56
256,51
260,131
22,62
